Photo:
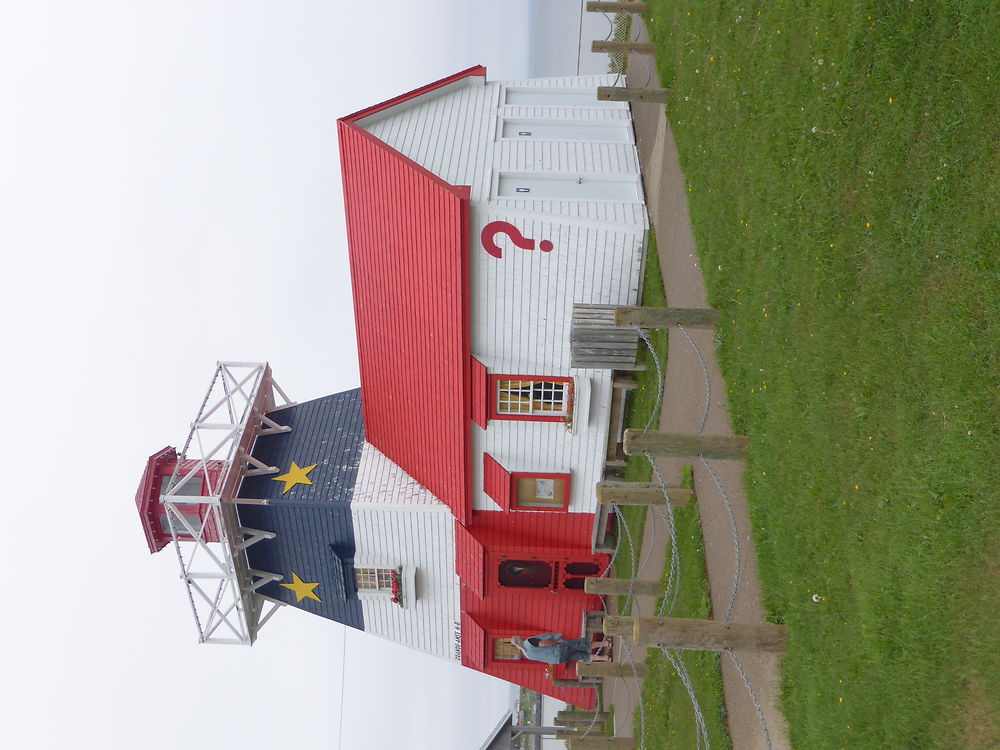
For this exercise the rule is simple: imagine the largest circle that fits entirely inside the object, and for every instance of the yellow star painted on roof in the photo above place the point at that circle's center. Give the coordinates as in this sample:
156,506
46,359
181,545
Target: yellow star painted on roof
302,590
296,475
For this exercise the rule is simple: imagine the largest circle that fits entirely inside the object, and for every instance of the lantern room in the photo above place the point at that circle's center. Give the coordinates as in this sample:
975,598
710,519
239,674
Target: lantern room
162,472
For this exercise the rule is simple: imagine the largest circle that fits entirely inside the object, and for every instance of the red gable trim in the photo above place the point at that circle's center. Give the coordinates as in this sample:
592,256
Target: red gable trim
496,481
477,70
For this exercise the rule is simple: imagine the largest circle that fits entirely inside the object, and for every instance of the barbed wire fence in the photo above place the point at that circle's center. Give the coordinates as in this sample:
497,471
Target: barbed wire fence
664,513
622,29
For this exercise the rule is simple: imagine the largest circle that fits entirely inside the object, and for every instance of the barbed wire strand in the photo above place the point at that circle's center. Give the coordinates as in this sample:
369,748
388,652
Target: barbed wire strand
701,732
753,698
737,562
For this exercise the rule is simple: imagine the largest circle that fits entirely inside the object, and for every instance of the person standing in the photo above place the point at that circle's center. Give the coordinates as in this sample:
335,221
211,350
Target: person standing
552,648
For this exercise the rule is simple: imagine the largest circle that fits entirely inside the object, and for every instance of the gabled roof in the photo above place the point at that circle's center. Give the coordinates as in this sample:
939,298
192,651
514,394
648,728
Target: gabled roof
408,240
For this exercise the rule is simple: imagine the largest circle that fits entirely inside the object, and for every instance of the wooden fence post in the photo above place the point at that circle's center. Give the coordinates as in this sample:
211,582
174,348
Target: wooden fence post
602,743
723,447
640,493
610,669
614,625
560,682
580,717
623,94
708,635
605,7
622,586
611,48
665,317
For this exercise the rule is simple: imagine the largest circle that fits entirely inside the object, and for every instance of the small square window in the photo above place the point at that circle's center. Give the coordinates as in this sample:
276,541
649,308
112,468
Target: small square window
504,650
541,492
375,579
396,585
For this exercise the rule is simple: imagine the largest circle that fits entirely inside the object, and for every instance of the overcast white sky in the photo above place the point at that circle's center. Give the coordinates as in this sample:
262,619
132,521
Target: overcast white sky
170,196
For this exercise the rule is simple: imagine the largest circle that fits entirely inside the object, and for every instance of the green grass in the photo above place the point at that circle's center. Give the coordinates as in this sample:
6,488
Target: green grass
642,408
670,721
841,161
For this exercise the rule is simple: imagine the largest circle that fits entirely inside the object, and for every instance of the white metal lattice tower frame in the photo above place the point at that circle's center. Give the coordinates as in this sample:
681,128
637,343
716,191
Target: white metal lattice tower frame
222,588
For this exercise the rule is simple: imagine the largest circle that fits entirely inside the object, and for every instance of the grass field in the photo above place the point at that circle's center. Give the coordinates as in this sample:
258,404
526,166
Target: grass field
842,170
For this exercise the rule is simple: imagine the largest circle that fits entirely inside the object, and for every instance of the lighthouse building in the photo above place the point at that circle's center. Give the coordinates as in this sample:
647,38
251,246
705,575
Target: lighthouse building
448,503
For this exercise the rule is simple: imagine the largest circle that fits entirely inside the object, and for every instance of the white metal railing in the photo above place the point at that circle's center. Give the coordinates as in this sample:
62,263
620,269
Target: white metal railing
222,588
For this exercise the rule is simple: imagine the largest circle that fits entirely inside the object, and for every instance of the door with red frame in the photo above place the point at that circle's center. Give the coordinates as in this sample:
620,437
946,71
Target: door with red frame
546,573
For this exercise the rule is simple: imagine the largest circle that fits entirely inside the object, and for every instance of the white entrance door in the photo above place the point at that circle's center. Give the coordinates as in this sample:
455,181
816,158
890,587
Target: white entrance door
568,130
568,187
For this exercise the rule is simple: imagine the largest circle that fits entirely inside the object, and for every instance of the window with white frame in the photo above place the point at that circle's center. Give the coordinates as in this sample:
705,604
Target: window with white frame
378,582
375,579
532,398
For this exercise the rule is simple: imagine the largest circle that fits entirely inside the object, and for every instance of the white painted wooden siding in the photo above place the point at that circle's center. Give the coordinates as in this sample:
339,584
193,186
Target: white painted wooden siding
398,522
449,134
522,303
381,482
422,538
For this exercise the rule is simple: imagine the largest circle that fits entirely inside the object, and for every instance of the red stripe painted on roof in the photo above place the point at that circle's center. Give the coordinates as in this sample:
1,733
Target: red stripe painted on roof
407,233
477,70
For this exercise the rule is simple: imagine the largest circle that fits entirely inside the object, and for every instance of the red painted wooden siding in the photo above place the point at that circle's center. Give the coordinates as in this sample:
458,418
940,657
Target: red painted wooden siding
501,612
408,242
496,481
480,395
473,644
470,559
408,239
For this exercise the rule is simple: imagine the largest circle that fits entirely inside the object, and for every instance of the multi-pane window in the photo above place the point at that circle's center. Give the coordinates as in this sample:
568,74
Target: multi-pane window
504,650
374,579
532,398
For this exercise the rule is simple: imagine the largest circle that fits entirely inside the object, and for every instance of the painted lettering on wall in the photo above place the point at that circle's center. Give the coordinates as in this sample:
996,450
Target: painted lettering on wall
491,230
458,640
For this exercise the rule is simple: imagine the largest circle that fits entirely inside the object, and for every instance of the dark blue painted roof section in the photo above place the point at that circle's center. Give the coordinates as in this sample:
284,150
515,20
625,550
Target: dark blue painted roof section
327,432
313,526
302,547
